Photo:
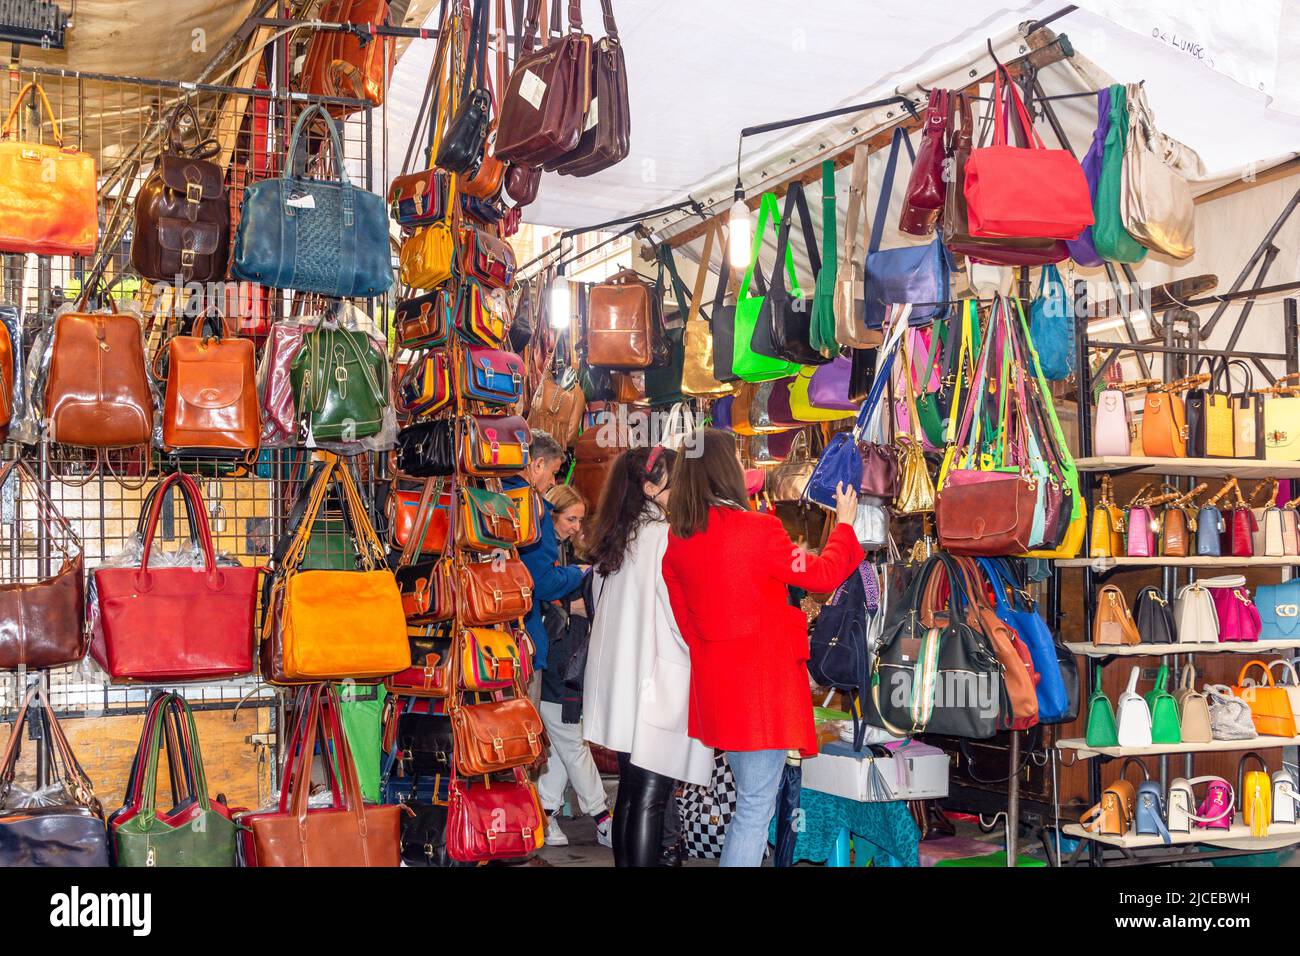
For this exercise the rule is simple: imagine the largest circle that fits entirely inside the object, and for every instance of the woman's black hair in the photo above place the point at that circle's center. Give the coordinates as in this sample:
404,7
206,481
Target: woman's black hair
622,504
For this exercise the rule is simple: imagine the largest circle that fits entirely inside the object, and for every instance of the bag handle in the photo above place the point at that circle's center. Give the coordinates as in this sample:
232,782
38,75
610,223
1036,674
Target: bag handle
900,137
1133,676
194,502
67,769
1232,799
48,512
1129,761
1241,770
1187,680
1287,668
186,752
795,200
297,161
1000,115
1268,674
44,105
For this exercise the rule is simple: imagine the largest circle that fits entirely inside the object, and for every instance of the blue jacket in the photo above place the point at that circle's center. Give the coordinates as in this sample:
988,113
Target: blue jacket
550,580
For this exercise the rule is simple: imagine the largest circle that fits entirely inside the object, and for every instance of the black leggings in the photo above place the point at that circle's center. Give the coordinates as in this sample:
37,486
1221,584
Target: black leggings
639,814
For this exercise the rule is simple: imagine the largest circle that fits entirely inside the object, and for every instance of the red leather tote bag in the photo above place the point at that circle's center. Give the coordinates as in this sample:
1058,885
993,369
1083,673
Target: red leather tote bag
1033,192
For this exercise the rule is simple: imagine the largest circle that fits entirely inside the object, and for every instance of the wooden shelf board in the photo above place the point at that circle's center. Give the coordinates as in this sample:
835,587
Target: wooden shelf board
1196,467
1235,837
1080,746
1102,564
1159,650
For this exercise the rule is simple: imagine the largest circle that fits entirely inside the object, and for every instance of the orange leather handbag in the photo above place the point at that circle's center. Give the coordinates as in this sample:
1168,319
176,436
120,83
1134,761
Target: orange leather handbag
341,64
48,202
211,400
1270,705
412,509
491,659
528,503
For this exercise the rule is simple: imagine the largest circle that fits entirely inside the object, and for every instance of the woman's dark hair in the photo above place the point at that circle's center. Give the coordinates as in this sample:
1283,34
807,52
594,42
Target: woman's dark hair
705,480
621,503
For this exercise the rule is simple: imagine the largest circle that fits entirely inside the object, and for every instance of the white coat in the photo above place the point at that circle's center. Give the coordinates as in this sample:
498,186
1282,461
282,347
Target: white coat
638,679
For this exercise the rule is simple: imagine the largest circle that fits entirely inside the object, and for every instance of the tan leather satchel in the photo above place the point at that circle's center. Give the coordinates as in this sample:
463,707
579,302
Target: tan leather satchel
850,330
620,323
492,592
1113,622
496,735
557,408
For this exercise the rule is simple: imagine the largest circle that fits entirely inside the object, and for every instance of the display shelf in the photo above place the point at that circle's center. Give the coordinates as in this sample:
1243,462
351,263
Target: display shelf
1103,564
1193,467
1088,649
1237,836
1080,746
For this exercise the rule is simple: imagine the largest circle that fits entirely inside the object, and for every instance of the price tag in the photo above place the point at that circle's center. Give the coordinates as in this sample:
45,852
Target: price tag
593,115
532,88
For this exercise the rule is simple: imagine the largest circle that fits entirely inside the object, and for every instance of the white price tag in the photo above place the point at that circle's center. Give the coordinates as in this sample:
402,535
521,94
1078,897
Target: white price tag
305,201
593,115
532,88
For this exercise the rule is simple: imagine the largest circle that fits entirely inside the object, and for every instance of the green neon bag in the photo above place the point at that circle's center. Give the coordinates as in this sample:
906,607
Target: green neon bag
749,365
1109,236
361,708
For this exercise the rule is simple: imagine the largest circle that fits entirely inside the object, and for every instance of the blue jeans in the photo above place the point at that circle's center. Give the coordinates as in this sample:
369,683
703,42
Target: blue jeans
758,777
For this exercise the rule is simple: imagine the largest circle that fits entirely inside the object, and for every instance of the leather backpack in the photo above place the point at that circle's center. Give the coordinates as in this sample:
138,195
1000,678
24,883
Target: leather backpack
623,328
211,400
182,212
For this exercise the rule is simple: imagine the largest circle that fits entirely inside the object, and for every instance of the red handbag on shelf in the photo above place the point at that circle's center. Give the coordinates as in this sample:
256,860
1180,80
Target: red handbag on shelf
1033,192
493,820
178,623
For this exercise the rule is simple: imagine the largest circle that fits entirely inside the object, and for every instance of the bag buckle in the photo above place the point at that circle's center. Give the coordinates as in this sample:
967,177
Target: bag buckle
193,192
498,744
1287,610
187,257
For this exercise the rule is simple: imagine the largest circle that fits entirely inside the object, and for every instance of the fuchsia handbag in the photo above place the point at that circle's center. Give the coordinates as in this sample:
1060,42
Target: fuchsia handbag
1216,810
926,187
1238,617
1141,533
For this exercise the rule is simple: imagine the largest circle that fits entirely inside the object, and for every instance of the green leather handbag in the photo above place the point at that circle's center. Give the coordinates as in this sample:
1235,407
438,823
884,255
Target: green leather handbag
1101,731
361,709
749,365
196,832
1166,728
1109,236
340,385
821,328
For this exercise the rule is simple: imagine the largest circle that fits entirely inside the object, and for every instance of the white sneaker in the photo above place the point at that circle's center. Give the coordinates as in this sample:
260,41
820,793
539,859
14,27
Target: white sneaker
604,834
554,835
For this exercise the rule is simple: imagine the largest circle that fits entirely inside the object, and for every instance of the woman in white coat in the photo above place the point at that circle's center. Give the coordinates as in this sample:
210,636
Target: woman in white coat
637,688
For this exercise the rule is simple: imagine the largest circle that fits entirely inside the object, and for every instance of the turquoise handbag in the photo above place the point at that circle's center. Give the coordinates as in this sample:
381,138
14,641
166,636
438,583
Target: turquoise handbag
1051,326
313,235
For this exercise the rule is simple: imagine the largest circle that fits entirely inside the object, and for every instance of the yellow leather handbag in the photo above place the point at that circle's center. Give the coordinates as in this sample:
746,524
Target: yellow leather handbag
697,336
1107,539
490,659
1282,424
1255,790
426,256
334,625
528,503
801,407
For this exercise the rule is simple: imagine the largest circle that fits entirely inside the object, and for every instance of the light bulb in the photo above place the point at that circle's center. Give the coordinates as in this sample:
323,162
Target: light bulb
739,239
561,308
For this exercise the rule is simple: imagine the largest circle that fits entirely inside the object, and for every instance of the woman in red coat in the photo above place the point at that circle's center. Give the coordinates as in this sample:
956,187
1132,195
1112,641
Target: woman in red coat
727,569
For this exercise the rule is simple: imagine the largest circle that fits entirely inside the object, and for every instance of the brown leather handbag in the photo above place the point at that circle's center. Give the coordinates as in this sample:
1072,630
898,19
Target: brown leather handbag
349,832
557,409
545,103
620,323
594,455
606,136
97,394
182,212
42,624
492,592
495,735
340,63
211,400
1113,622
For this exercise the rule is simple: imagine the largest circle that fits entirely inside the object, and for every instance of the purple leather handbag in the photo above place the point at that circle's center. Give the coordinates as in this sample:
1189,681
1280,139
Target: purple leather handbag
1082,250
829,386
722,412
778,402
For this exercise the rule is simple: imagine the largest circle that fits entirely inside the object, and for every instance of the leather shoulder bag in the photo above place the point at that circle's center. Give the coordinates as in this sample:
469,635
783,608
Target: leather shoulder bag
462,145
211,399
606,132
340,384
1112,622
1155,621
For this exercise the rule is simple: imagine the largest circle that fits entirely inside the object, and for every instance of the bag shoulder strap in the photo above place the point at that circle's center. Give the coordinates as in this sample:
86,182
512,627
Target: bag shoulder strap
887,185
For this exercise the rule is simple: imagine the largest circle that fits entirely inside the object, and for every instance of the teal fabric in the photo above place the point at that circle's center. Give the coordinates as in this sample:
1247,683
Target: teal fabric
886,827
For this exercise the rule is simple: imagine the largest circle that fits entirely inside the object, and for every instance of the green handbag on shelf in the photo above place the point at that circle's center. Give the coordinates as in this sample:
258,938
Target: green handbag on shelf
361,708
1101,731
340,384
194,834
1165,725
821,327
746,363
1109,236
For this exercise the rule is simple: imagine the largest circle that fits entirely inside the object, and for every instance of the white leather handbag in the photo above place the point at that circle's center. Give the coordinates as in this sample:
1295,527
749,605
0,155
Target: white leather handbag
871,524
1292,687
1195,619
1110,435
1181,806
1286,798
1133,715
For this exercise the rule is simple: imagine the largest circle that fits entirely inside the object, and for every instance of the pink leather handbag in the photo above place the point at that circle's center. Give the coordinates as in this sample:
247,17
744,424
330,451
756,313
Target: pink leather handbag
1141,540
1216,810
1238,616
1110,424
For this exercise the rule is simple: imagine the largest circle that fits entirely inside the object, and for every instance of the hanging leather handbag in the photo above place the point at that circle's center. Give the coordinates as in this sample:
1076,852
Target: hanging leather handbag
621,323
1112,624
1155,620
494,820
926,187
700,358
211,399
1082,250
1247,417
428,594
557,409
198,831
346,833
1195,619
786,312
419,199
1033,192
427,449
313,235
350,63
916,275
1193,710
48,200
461,147
275,385
594,455
485,520
486,258
422,515
493,445
545,104
424,743
424,387
496,735
332,625
340,384
850,271
182,212
1155,201
786,482
1164,710
492,592
482,315
426,258
1101,730
1279,610
42,623
491,376
430,672
1110,431
748,330
1270,706
530,507
205,619
1255,790
424,321
606,132
521,182
97,393
55,826
490,660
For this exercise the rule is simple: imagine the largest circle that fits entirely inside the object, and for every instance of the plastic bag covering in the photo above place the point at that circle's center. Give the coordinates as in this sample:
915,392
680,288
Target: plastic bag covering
19,798
13,324
356,320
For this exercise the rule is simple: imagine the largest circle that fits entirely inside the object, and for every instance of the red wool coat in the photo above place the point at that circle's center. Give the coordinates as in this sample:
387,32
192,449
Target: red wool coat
749,646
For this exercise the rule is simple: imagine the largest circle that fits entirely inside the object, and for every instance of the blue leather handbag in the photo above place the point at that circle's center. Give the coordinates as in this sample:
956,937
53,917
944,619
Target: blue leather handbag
1053,700
1051,326
1209,525
920,275
1150,817
313,235
1279,610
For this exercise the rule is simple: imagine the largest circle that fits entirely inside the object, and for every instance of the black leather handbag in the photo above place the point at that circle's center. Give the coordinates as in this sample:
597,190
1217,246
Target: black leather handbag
953,662
424,743
1155,620
427,449
461,149
34,831
783,326
1194,409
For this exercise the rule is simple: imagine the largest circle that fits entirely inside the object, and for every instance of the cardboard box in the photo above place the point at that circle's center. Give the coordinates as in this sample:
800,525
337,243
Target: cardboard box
916,771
